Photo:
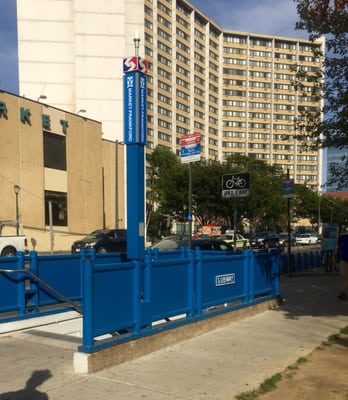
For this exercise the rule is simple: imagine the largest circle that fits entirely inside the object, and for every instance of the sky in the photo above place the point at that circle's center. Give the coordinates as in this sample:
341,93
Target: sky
269,17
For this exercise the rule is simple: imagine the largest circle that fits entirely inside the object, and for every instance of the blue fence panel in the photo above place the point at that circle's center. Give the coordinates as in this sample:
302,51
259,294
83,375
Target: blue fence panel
264,272
62,272
12,285
125,299
171,288
115,291
220,279
111,301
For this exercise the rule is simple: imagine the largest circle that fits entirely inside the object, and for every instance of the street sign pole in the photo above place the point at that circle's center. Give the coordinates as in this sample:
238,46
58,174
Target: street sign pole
190,151
190,206
235,224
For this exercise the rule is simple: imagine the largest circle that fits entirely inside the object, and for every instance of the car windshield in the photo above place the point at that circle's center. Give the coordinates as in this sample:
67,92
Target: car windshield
96,234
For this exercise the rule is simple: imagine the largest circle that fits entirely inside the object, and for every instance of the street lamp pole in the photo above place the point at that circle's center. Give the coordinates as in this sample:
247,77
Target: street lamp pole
16,189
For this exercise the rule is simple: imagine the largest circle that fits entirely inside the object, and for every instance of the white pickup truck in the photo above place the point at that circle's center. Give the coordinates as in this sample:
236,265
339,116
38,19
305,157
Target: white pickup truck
10,244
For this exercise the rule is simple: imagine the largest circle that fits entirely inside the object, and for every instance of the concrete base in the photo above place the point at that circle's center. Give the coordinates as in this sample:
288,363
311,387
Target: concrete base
85,363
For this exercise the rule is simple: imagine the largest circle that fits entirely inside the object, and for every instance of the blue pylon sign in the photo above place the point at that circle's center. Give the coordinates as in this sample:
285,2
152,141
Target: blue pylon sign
135,118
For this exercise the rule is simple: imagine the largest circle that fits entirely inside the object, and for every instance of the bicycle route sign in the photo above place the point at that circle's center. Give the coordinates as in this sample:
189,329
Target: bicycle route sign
235,185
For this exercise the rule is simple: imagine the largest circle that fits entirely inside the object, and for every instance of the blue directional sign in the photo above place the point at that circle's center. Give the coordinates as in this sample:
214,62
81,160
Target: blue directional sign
288,188
135,120
142,110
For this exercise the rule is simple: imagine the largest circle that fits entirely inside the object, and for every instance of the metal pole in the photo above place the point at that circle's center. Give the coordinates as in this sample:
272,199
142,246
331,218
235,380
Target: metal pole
103,196
17,215
50,218
190,207
116,186
289,233
235,225
16,189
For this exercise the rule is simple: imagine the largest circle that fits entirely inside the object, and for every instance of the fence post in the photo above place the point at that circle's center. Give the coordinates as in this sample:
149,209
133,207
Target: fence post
32,291
198,265
136,299
88,308
249,276
191,283
21,284
147,273
275,273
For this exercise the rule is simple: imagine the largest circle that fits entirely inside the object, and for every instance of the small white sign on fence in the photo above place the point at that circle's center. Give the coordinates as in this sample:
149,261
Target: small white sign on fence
227,279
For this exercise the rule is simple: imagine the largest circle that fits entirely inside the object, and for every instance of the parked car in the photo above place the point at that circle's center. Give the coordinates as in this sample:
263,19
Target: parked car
173,243
284,239
306,238
265,240
241,241
10,244
103,241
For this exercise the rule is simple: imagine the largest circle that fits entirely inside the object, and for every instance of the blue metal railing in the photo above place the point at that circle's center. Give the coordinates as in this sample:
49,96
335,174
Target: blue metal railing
136,299
130,299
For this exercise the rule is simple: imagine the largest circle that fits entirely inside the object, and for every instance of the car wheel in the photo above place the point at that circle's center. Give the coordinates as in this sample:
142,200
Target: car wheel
102,250
9,252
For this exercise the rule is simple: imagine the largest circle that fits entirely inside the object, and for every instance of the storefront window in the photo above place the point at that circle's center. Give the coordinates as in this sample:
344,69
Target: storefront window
59,208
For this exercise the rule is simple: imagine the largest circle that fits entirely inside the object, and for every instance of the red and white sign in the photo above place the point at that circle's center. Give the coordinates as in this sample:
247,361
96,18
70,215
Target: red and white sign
190,139
190,147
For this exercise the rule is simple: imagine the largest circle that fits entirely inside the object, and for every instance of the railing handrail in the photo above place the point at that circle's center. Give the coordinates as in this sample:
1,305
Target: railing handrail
47,285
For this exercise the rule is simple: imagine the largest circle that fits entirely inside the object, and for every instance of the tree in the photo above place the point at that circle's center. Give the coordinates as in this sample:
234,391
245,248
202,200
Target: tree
167,184
328,18
168,191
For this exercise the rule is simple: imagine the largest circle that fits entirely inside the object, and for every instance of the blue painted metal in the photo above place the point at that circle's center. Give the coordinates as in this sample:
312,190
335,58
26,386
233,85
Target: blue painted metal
138,298
135,202
132,299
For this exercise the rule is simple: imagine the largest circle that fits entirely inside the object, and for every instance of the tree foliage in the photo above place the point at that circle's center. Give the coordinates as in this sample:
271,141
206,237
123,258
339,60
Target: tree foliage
264,208
329,19
168,191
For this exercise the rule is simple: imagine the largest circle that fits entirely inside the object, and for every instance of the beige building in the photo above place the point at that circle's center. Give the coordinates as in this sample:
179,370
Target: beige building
60,161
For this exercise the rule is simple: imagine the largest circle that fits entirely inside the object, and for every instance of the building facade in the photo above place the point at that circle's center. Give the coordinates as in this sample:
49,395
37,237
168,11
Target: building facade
65,171
235,88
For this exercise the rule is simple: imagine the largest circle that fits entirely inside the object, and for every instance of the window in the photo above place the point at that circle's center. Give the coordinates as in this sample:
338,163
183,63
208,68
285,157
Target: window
54,151
59,208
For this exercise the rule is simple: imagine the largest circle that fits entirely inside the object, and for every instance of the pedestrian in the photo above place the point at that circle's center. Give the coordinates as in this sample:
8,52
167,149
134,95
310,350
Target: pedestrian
343,249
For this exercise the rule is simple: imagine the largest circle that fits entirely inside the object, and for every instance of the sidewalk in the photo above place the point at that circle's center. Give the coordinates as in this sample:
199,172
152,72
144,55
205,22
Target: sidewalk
213,366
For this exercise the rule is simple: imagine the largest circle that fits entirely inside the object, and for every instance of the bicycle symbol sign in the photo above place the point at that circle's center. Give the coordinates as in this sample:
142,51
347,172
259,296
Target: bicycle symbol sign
235,185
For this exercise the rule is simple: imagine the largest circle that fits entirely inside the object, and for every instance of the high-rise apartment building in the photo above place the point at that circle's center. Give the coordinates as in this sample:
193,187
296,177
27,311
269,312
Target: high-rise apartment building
235,88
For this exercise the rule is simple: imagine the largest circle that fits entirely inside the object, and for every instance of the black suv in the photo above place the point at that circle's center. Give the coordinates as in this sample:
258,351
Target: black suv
265,240
103,241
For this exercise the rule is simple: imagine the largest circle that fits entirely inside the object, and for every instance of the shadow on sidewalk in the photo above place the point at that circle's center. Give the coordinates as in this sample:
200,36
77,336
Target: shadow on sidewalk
30,391
312,293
